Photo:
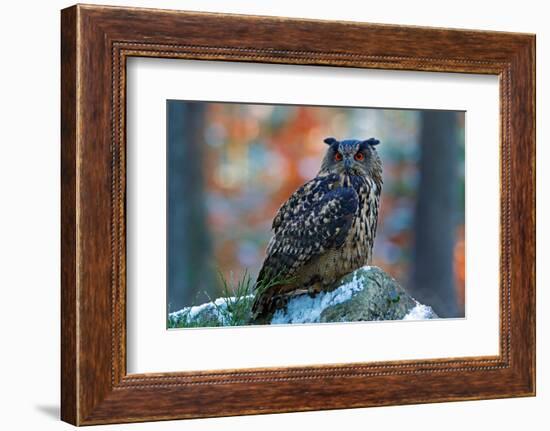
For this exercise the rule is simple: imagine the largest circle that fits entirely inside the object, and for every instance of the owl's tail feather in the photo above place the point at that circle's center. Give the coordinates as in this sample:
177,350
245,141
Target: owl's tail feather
266,303
271,289
270,295
262,308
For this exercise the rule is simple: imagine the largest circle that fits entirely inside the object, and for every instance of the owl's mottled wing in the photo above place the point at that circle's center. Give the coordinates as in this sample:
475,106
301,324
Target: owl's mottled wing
316,218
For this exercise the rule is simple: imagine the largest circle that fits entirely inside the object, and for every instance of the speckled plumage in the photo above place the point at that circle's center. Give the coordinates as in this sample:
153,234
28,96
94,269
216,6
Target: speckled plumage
326,229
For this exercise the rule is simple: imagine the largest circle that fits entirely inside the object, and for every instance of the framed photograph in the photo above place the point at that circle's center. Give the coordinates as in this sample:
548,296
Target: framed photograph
264,214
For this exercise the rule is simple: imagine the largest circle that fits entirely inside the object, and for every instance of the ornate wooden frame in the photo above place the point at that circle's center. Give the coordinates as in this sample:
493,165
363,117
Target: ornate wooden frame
95,43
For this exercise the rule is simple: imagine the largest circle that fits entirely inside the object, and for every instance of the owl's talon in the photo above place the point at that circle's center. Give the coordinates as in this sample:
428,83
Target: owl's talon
298,292
312,291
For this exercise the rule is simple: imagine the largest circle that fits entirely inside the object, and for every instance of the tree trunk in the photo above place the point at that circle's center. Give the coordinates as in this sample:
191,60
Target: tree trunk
189,245
433,280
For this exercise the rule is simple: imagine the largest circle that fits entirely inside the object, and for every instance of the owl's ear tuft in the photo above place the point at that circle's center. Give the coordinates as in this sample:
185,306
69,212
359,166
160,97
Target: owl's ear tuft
330,141
371,141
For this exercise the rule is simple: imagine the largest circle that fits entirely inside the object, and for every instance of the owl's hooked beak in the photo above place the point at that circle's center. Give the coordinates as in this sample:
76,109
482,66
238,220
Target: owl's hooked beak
347,163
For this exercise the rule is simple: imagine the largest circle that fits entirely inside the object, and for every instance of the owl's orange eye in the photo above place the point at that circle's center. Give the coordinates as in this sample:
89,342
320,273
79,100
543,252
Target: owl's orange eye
338,157
359,156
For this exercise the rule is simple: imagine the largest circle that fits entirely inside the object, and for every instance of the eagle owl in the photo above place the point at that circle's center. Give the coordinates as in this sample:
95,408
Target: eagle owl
325,230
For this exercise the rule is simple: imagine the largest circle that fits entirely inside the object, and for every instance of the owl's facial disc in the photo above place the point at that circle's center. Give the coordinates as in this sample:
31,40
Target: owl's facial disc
351,157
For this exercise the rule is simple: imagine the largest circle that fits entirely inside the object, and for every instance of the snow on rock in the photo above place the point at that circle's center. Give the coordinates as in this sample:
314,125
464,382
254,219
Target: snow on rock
420,312
366,294
215,313
305,309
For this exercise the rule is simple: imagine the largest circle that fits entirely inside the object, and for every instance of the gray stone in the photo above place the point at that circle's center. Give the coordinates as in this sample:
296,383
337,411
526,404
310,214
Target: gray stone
381,298
366,294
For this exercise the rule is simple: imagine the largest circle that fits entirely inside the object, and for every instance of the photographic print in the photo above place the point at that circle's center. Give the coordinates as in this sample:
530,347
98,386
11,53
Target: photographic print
289,214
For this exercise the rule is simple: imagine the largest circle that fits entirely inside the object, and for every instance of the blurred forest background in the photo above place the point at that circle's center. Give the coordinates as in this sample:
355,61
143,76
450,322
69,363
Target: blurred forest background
230,167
